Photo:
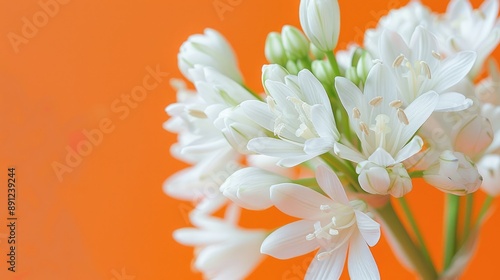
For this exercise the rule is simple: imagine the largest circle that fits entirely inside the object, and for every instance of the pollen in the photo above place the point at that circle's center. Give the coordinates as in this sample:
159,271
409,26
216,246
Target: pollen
427,70
396,103
437,55
356,113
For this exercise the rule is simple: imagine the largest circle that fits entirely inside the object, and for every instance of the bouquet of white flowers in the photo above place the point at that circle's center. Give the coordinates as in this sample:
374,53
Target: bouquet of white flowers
334,135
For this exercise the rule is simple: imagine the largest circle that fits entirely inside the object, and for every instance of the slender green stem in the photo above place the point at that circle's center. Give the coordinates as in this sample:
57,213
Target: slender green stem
333,63
451,224
484,209
342,166
417,174
420,263
414,226
469,203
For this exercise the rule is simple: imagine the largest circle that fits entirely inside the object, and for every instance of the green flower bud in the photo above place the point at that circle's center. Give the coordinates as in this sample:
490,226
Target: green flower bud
274,50
295,43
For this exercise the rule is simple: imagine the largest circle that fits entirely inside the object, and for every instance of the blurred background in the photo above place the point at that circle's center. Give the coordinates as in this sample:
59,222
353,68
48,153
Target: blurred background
67,72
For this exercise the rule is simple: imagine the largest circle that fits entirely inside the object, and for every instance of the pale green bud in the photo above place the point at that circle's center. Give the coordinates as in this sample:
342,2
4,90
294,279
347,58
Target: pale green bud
273,72
364,65
274,50
295,43
317,53
320,20
351,74
292,67
323,71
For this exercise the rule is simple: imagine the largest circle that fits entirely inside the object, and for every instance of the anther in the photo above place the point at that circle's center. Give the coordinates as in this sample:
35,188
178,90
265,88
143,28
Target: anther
356,113
197,113
363,127
376,101
402,117
397,62
396,103
436,55
426,68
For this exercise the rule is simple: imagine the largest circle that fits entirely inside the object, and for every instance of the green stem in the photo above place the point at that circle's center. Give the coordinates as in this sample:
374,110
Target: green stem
417,174
333,63
451,223
340,165
414,226
484,209
308,182
469,203
420,263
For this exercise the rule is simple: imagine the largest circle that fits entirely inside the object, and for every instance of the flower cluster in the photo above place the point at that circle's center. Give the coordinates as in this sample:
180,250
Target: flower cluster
334,135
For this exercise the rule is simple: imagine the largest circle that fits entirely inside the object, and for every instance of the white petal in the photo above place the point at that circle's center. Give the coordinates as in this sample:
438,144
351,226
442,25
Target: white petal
275,147
259,112
294,161
298,201
417,113
381,157
410,149
349,94
391,45
422,44
375,180
290,240
323,122
330,184
348,153
318,146
369,229
452,70
380,83
452,101
197,237
330,268
314,92
361,264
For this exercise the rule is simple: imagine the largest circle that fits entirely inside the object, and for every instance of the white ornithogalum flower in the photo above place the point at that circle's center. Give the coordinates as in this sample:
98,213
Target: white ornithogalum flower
403,20
492,113
299,114
250,187
453,173
489,168
320,20
419,68
223,250
463,28
331,223
488,90
208,49
385,129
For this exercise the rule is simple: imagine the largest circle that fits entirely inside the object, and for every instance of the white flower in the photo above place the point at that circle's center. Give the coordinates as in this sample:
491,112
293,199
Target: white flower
332,223
299,113
492,113
250,187
209,49
223,251
488,90
403,21
419,68
453,173
463,28
383,127
489,168
320,20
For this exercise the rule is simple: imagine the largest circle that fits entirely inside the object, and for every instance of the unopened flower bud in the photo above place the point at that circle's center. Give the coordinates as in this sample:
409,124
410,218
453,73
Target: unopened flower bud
273,72
373,178
489,168
453,173
295,43
320,20
317,53
274,49
474,137
292,67
208,49
364,65
323,71
250,187
352,75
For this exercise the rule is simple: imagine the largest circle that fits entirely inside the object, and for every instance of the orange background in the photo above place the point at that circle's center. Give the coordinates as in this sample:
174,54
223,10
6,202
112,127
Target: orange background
108,218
